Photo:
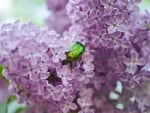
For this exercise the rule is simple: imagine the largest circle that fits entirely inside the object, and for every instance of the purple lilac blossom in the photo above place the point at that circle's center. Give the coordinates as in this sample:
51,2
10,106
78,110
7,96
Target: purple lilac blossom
32,62
103,16
58,19
116,39
112,33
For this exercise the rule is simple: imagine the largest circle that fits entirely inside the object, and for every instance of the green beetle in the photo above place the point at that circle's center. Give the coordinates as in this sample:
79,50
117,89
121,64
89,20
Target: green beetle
77,49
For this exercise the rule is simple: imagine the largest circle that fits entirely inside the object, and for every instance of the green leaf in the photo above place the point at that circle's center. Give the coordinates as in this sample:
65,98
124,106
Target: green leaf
1,69
3,107
15,106
11,98
1,75
20,109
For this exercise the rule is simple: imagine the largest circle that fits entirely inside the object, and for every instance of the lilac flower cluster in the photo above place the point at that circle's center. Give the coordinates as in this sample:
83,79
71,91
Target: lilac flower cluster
58,19
32,60
111,76
119,37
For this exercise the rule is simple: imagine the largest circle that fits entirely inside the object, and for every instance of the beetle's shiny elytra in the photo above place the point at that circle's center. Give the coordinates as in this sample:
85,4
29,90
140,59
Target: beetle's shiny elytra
77,49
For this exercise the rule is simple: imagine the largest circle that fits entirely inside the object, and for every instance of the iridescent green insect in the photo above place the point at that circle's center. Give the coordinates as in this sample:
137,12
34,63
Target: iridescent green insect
77,49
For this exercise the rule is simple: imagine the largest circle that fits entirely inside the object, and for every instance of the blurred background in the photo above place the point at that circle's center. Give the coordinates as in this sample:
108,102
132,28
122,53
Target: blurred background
145,5
34,11
23,10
